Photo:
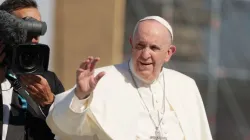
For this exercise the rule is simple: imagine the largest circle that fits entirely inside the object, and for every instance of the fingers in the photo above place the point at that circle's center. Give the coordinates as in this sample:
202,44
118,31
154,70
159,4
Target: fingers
35,94
99,76
33,81
89,60
89,63
93,64
29,79
38,90
94,80
25,81
32,90
34,78
84,64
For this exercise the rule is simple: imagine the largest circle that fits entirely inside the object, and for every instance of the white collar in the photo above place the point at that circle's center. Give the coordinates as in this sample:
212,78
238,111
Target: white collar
141,79
5,85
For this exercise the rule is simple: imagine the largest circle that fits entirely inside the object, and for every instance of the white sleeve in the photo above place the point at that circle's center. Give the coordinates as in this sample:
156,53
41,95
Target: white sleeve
79,106
68,116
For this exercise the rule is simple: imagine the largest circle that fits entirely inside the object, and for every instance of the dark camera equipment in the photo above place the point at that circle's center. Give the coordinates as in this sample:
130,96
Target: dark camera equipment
29,58
23,56
34,27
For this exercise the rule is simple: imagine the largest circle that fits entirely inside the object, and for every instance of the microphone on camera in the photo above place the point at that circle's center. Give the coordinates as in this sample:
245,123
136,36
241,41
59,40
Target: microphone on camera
20,30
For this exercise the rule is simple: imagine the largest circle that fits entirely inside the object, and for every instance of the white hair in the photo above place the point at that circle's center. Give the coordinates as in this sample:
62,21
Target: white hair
158,19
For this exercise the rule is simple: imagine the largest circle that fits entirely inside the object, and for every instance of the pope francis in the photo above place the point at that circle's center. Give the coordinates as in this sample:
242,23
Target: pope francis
135,100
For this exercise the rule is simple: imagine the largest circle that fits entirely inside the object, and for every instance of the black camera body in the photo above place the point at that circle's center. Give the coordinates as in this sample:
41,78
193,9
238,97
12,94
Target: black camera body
29,58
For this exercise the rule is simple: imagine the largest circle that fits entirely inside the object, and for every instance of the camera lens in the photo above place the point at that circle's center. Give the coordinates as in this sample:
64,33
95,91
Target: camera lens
29,60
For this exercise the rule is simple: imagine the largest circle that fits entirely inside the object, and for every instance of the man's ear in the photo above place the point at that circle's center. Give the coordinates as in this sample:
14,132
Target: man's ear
170,52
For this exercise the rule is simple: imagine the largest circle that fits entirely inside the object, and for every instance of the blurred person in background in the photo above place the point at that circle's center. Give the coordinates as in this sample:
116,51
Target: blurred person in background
42,88
138,99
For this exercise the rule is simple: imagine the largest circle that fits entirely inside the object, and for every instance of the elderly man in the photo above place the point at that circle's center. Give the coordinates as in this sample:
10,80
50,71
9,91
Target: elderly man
138,99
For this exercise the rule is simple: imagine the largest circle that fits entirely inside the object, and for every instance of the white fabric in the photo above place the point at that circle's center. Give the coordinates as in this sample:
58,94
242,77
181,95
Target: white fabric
161,21
7,97
152,95
114,110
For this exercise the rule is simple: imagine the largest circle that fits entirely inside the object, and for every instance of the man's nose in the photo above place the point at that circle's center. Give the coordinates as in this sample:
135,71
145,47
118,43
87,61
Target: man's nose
145,53
35,40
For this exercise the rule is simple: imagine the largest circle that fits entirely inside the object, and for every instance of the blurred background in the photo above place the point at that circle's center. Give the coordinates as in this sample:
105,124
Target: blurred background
212,39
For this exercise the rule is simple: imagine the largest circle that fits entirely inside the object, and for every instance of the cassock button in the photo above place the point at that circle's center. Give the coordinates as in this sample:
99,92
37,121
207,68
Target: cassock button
157,101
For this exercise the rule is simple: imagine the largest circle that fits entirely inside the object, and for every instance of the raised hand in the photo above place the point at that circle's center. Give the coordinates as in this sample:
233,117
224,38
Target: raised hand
85,79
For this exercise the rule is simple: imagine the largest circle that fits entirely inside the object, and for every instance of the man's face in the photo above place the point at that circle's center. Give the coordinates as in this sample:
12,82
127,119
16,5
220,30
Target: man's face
29,12
151,48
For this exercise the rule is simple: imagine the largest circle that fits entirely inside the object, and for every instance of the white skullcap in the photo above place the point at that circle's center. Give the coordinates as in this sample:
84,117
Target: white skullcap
161,21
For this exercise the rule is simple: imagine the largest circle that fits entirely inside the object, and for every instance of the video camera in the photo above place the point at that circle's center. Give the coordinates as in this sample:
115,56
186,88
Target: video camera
28,58
23,56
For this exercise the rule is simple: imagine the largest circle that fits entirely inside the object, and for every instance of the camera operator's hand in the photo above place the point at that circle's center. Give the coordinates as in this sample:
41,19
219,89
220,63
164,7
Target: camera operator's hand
38,88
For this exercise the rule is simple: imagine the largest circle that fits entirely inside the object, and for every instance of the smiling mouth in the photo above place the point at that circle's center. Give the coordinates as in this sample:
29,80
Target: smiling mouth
142,63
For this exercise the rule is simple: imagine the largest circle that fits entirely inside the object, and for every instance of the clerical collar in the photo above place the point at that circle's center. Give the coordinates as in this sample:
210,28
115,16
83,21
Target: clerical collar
139,78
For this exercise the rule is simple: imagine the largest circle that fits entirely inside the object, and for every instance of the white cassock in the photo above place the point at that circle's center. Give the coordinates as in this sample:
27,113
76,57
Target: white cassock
118,110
